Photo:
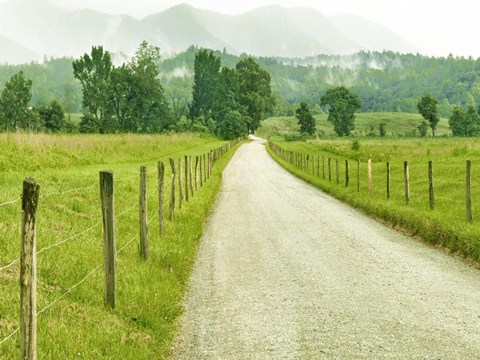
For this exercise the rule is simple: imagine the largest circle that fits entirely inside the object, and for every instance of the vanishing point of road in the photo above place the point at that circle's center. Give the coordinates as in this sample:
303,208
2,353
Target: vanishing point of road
285,271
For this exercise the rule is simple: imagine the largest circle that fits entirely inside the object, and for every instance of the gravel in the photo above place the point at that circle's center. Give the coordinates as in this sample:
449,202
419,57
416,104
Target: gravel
285,271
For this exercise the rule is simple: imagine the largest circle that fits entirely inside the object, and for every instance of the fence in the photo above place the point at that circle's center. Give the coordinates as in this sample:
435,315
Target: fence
188,175
454,188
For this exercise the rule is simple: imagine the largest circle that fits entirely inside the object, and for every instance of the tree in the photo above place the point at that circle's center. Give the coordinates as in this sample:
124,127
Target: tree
428,107
93,72
16,95
52,116
341,104
457,122
205,81
254,92
232,126
423,128
305,119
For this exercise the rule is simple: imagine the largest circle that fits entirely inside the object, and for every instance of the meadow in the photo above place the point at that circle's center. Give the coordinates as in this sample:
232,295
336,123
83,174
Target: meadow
446,225
367,124
73,321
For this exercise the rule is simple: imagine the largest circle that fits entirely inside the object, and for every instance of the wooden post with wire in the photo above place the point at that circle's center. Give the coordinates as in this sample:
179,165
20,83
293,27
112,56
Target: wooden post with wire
161,196
407,182
430,186
388,179
358,175
468,191
143,213
370,178
28,271
172,192
347,173
109,236
186,178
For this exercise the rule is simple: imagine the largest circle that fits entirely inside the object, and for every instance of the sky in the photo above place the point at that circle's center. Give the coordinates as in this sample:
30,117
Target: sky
434,27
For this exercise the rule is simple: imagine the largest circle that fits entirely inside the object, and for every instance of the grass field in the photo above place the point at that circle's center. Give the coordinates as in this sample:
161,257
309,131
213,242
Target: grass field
70,244
446,225
366,124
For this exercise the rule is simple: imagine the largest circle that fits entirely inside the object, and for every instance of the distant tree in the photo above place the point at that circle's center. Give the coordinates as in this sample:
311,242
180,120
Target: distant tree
428,107
382,129
205,81
457,122
305,119
423,128
89,124
93,71
14,111
472,121
341,104
232,126
52,117
254,92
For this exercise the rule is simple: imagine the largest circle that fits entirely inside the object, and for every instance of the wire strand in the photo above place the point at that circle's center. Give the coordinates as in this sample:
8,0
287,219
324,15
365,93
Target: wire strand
10,336
11,202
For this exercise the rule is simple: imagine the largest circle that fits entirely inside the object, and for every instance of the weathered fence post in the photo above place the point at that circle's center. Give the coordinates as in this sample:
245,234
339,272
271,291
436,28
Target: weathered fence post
109,237
196,172
468,191
347,173
205,170
186,178
318,166
323,167
370,178
329,169
337,173
201,170
180,183
430,185
190,174
28,270
172,192
161,196
388,179
407,182
143,213
358,175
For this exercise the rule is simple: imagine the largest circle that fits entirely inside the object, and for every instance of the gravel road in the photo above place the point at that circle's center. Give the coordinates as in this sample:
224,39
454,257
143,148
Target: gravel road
284,271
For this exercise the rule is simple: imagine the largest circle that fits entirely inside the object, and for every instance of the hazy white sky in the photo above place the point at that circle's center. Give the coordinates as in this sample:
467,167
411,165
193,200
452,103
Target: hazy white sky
436,27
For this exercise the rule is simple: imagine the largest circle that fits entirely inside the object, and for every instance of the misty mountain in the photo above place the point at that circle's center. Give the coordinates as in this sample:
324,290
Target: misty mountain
12,53
43,28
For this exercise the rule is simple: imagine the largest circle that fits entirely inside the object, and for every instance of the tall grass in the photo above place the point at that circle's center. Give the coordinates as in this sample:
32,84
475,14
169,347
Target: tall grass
149,293
446,225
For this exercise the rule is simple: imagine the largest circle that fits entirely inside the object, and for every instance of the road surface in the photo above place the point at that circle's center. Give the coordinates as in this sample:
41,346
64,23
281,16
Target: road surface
284,271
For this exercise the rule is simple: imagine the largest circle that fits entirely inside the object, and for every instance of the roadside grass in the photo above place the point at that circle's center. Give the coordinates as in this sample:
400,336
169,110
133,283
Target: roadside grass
149,294
446,225
366,125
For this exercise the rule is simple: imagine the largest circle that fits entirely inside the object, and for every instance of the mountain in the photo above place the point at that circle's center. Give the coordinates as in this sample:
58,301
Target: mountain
12,53
47,29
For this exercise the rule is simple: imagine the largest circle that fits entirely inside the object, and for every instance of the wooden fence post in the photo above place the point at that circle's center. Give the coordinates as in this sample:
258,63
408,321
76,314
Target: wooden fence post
186,178
204,169
28,270
313,164
143,213
318,166
388,179
430,185
329,169
337,173
196,172
172,192
468,191
323,167
370,178
347,173
180,183
190,174
358,175
161,196
407,182
109,236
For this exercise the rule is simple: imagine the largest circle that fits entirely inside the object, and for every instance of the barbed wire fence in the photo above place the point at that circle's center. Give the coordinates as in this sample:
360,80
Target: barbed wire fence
195,178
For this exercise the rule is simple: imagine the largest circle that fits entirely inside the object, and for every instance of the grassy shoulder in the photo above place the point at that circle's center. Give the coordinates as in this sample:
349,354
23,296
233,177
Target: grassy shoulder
149,294
446,225
366,125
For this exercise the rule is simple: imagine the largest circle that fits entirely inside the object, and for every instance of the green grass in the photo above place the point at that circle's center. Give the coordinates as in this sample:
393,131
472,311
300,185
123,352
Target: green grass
446,225
149,293
366,124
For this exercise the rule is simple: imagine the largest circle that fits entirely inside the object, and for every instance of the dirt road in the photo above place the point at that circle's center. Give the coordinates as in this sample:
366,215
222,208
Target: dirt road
286,272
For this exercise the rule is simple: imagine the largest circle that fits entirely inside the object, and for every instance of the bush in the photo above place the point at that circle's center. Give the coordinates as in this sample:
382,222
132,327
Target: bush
355,145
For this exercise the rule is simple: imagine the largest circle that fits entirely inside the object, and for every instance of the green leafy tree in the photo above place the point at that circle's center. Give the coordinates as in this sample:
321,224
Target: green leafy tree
428,107
341,104
457,122
305,119
423,128
254,92
205,84
232,126
52,116
89,124
14,111
93,71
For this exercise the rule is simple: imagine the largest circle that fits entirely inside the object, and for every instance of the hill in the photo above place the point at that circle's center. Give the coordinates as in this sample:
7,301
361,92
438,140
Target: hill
47,29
